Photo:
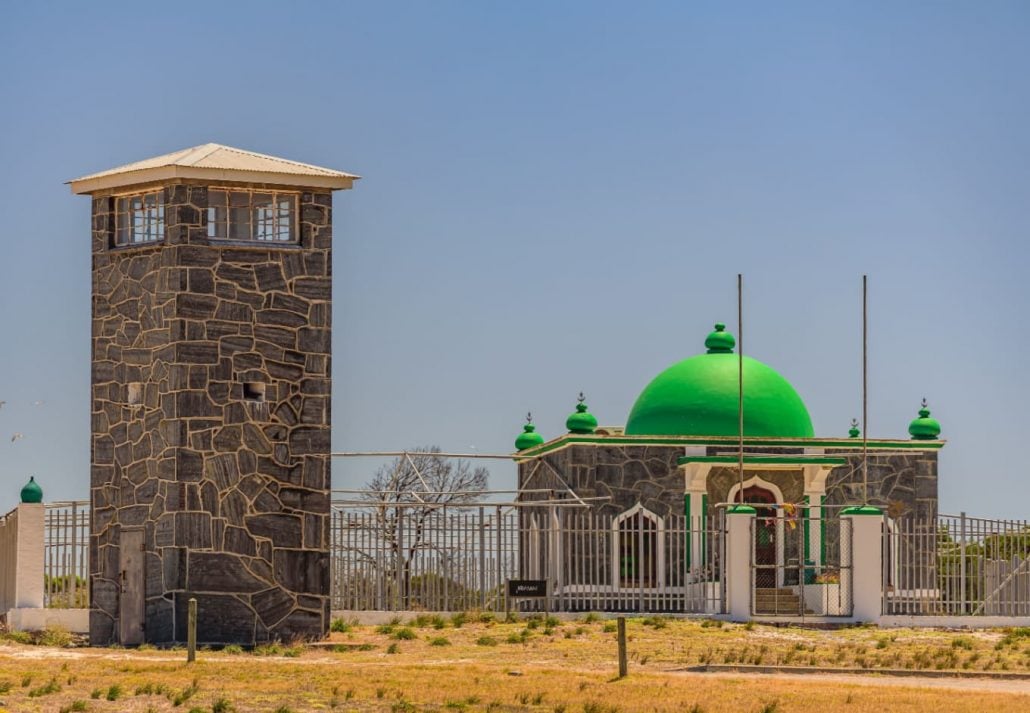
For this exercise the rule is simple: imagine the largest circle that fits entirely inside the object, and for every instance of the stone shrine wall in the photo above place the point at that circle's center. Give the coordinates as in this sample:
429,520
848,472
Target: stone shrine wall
898,483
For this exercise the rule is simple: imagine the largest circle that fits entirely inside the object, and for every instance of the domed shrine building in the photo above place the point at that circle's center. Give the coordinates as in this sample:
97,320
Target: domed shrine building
677,459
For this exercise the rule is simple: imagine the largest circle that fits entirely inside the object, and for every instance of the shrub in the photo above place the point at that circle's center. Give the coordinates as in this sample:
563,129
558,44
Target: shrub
387,629
610,627
114,692
267,650
404,634
55,636
222,705
339,626
657,622
185,694
75,707
233,649
96,693
393,649
457,620
5,686
962,642
51,686
440,641
18,637
589,618
486,641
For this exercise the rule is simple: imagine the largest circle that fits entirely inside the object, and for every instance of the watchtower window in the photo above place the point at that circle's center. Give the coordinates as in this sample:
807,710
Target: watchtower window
251,216
139,219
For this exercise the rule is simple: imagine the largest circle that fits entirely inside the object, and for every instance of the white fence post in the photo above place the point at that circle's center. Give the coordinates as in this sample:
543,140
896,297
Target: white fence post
867,561
738,561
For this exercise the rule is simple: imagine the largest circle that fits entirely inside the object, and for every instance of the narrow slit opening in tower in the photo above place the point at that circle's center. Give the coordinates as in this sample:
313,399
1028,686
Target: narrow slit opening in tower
253,391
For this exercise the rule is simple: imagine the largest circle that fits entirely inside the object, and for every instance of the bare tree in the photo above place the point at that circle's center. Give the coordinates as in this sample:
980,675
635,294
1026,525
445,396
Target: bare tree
413,493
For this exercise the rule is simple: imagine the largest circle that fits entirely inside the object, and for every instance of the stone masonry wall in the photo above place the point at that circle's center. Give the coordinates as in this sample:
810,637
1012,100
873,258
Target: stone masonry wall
905,483
625,474
899,484
231,492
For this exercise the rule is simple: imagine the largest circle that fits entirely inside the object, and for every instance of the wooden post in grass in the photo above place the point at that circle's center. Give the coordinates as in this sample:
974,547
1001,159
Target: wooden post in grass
191,632
623,665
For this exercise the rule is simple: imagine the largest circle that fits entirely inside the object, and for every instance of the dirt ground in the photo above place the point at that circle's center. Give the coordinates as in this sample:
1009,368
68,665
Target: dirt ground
558,667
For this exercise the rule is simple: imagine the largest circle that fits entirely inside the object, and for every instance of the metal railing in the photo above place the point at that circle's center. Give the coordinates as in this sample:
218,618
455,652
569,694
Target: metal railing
66,555
957,565
440,559
450,559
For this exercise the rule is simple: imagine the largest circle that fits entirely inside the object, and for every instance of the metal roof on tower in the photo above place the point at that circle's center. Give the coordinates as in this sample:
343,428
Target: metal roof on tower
215,162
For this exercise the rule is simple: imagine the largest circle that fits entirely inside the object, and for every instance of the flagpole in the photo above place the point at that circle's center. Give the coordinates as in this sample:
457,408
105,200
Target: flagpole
740,382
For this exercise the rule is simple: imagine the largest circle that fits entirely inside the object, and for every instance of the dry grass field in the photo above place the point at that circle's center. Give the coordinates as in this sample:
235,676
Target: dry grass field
472,663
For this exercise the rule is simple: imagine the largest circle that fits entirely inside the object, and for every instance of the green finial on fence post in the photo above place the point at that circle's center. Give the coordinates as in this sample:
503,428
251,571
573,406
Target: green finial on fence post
32,493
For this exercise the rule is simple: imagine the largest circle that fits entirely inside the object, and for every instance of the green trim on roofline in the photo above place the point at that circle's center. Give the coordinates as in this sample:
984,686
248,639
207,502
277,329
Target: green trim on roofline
766,460
622,440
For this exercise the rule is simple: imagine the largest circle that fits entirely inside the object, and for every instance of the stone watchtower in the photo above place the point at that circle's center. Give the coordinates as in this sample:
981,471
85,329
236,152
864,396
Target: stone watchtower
212,276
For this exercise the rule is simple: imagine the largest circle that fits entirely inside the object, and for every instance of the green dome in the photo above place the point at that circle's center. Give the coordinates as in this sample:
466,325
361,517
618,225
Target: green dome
698,397
924,428
32,493
582,421
529,437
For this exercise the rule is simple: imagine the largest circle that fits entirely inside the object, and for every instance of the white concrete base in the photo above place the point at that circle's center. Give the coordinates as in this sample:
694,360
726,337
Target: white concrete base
823,599
378,618
952,622
74,620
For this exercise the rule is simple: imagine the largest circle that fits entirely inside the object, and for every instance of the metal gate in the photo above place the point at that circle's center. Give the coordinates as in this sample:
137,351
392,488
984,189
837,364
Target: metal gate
800,566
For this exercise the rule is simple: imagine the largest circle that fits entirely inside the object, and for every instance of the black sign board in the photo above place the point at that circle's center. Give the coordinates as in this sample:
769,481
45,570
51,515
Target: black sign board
527,588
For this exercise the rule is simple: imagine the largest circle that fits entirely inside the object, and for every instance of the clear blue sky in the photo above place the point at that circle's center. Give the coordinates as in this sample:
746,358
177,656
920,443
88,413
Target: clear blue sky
558,196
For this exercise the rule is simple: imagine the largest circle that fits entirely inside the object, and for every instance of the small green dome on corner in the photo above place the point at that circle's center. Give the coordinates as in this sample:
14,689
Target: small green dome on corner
582,421
854,432
924,428
699,397
32,493
529,437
